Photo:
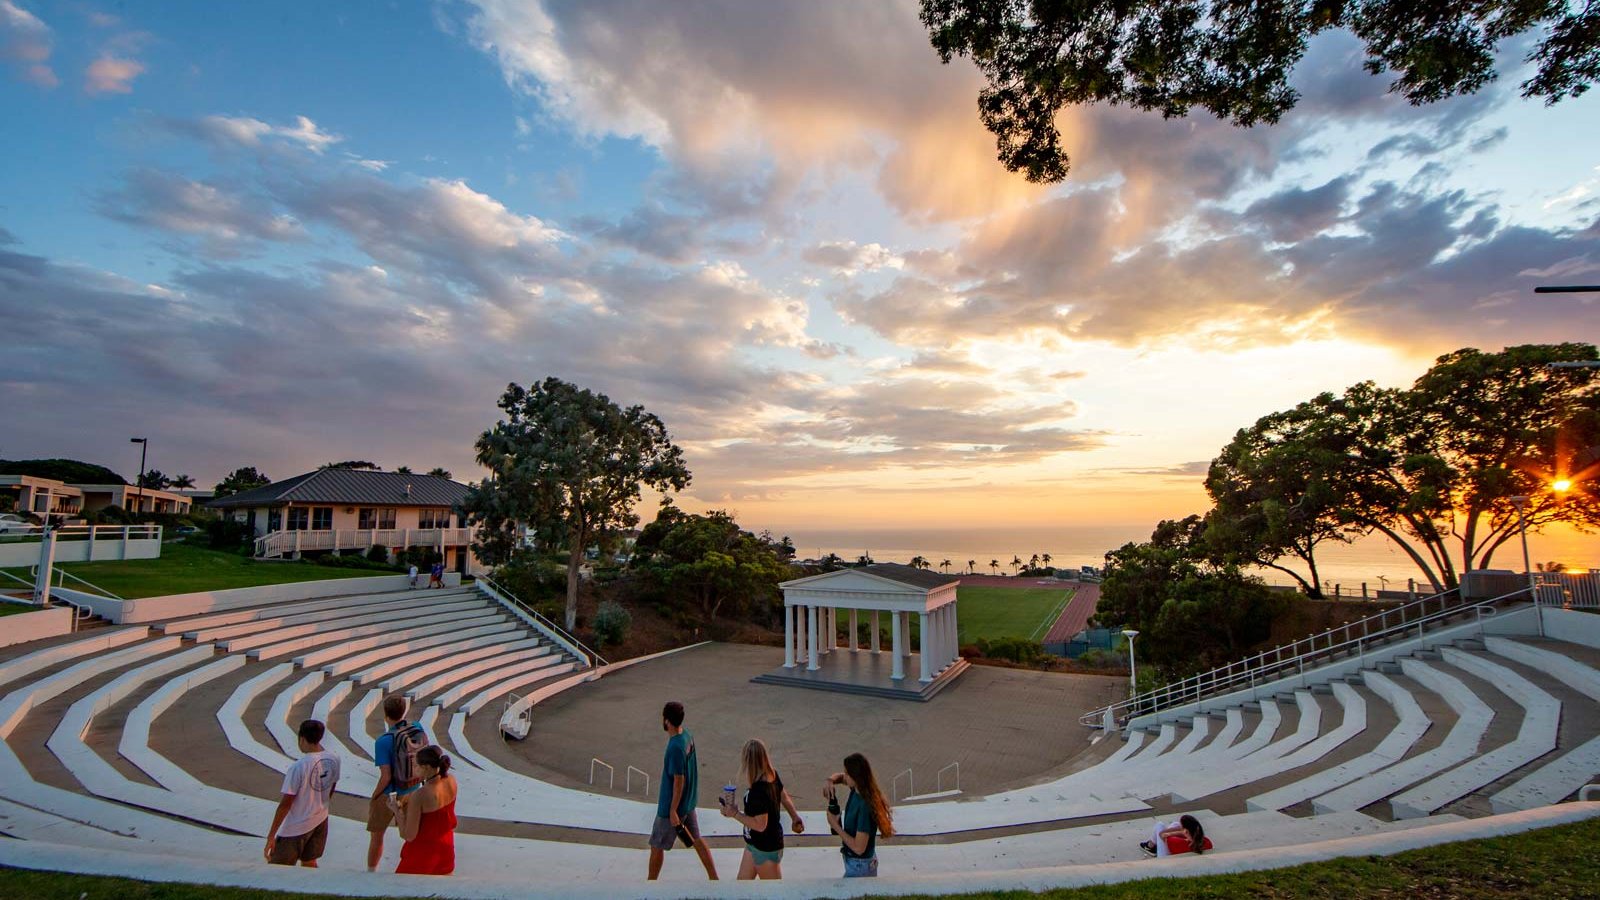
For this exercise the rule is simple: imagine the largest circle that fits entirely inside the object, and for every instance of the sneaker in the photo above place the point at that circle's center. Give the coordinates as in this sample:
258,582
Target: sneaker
1148,848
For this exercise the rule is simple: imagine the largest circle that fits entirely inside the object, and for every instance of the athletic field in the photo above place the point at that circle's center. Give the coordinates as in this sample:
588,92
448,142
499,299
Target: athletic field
994,612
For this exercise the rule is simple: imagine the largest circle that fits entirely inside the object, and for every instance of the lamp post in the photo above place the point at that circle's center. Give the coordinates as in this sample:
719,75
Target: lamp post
1133,676
144,445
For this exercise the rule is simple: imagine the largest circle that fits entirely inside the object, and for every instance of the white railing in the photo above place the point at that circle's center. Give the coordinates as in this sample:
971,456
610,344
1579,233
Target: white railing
280,543
63,533
628,784
911,785
1349,639
560,635
611,774
1578,590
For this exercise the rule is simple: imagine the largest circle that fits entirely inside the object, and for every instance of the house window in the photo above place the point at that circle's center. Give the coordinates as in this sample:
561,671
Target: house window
386,518
367,518
434,518
425,519
298,516
274,520
322,518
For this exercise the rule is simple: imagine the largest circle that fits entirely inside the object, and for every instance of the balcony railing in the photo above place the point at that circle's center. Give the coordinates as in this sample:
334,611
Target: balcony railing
281,543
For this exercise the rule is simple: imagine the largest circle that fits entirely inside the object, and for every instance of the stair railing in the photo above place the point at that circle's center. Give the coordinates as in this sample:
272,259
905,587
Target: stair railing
583,652
1295,658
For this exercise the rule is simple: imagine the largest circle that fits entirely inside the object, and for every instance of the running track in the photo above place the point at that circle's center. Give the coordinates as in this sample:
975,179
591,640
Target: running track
1075,617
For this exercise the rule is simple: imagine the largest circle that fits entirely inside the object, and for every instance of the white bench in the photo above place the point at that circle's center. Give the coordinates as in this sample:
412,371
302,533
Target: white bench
1563,776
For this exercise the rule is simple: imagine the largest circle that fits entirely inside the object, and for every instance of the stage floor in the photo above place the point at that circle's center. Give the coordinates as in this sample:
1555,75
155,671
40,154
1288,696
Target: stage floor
864,673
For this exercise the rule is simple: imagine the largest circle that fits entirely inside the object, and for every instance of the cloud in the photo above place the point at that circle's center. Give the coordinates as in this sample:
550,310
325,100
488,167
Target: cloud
234,132
110,75
227,220
1296,213
25,43
850,258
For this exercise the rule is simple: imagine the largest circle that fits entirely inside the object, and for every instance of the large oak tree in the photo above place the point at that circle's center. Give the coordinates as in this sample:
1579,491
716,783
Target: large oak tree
570,464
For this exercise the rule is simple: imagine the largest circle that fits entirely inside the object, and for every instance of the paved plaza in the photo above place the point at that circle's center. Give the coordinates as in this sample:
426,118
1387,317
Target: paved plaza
1006,727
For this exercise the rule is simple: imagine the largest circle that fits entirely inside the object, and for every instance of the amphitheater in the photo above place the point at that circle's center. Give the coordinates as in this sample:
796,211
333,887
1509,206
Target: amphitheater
151,747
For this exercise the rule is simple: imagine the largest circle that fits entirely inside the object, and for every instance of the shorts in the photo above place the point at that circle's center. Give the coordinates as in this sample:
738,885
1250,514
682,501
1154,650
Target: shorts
379,815
861,868
662,834
308,847
764,857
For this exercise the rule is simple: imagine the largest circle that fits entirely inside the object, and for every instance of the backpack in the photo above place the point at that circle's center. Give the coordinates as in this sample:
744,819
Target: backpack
408,740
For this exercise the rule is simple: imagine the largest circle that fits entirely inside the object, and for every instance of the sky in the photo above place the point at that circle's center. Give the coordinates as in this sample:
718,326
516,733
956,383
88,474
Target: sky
303,232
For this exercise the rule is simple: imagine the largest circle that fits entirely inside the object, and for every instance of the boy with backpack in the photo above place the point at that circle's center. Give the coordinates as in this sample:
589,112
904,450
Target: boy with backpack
395,752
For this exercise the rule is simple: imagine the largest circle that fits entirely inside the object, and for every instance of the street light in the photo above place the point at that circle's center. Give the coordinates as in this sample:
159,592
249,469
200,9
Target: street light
144,445
1133,678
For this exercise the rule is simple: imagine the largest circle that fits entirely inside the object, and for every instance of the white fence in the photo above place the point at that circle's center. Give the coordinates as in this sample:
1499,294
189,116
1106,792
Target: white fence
283,543
1578,590
82,543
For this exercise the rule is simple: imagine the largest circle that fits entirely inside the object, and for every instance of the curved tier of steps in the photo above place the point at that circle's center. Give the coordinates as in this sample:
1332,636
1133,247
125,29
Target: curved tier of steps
1424,738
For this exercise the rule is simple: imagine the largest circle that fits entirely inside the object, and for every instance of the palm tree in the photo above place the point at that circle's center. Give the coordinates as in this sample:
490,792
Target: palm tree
994,566
918,562
945,566
1033,562
1045,558
1551,567
439,472
1015,562
403,470
972,566
182,481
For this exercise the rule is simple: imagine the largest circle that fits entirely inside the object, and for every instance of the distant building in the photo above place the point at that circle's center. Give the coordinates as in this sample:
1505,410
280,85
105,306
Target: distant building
47,496
341,510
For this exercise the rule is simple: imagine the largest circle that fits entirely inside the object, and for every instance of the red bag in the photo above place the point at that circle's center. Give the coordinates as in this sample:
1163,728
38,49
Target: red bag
1180,843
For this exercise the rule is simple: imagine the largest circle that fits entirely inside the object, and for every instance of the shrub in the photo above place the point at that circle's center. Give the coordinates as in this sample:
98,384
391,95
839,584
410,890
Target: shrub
611,623
378,553
1019,650
109,515
971,651
351,562
225,534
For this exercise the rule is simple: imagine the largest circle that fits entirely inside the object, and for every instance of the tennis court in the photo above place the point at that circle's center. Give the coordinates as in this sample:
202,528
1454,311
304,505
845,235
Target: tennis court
995,612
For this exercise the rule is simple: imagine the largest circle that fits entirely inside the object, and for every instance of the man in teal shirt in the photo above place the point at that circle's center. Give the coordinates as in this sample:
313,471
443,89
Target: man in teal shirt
680,788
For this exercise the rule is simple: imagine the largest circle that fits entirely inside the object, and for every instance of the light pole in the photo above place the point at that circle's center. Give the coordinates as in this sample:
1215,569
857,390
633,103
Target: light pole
1521,502
144,445
1133,675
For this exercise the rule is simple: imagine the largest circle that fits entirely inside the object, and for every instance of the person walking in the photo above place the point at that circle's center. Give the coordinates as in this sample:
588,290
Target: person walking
680,786
395,752
763,827
860,819
436,576
413,574
299,831
426,818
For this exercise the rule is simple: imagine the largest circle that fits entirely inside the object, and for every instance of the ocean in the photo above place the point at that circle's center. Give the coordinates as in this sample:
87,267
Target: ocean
1369,560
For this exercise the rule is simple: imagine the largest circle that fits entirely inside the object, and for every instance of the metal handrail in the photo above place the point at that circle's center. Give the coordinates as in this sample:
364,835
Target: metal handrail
894,786
628,782
595,659
1276,662
940,780
611,781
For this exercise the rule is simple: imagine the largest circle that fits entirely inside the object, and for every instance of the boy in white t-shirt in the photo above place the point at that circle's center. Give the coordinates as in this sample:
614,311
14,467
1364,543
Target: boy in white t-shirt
299,831
413,574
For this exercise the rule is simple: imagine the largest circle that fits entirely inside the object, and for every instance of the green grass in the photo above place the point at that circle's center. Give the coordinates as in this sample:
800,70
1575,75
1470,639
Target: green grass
1549,863
182,568
11,609
995,612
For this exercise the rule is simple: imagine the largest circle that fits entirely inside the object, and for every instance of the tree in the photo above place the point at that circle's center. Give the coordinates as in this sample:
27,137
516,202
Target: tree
1016,562
154,480
1045,558
1033,562
352,464
402,470
239,480
918,562
1233,59
945,566
972,566
1191,614
439,472
709,562
182,482
570,463
994,567
71,471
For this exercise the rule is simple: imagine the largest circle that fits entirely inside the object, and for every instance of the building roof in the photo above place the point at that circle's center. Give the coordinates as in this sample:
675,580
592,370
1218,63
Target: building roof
917,578
352,486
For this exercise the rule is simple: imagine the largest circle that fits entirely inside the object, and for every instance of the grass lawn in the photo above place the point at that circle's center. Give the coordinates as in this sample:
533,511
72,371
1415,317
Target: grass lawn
994,612
11,609
1552,862
182,568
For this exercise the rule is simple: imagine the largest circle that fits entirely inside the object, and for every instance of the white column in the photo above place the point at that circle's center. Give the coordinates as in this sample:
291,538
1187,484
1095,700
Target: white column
952,646
811,618
925,647
955,629
875,640
852,630
788,637
899,637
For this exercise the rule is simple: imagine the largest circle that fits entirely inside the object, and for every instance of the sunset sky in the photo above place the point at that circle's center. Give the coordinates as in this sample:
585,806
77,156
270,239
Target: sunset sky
283,234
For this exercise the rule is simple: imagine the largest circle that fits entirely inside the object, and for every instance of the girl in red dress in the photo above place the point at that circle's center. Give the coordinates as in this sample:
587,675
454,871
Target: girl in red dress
427,818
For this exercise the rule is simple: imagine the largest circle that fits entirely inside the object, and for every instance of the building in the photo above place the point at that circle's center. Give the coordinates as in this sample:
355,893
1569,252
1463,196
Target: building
353,510
47,496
